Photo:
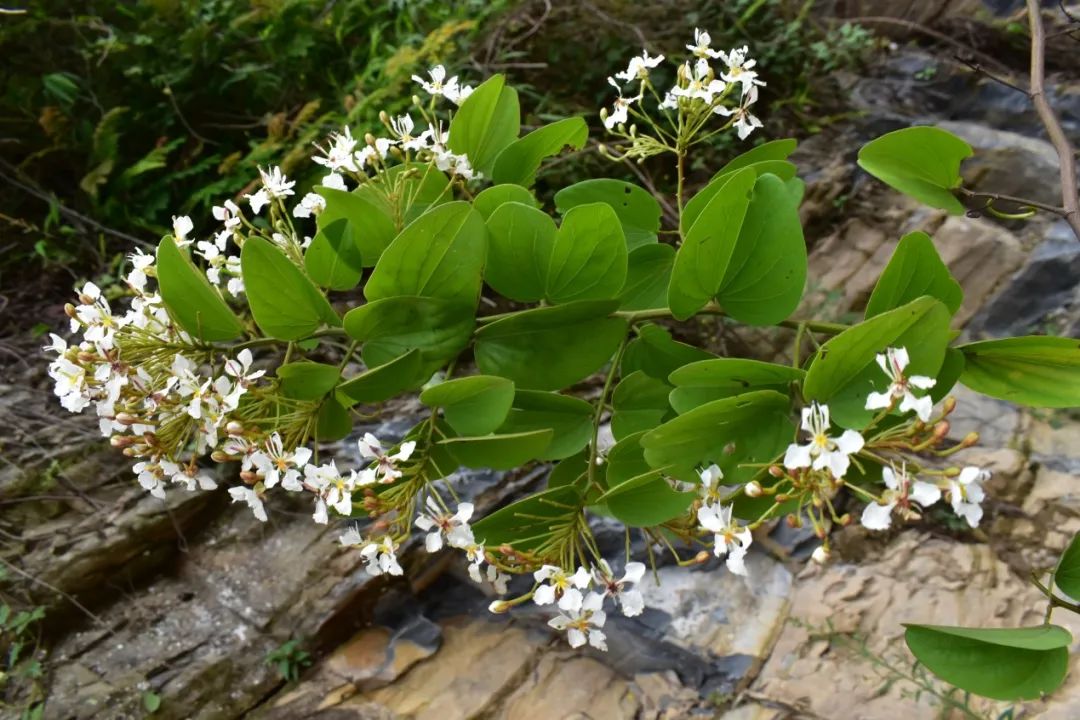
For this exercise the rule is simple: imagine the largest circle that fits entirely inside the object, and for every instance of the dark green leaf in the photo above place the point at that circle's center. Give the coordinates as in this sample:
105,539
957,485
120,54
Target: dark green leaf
193,303
474,405
772,150
648,275
923,162
389,328
531,522
569,418
489,199
551,348
499,452
782,169
285,304
1067,573
588,260
1040,371
1006,664
334,421
368,214
570,471
708,380
307,380
915,270
521,159
333,260
657,355
637,209
385,381
521,240
486,123
640,403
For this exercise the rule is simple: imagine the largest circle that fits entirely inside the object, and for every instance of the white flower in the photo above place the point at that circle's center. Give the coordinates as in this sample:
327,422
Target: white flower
247,495
240,368
820,555
258,201
439,85
227,213
566,588
619,112
699,83
710,483
276,465
182,225
151,476
738,69
311,204
334,182
621,590
437,523
729,538
340,155
583,625
371,449
893,362
965,494
190,476
275,183
351,537
902,490
333,489
500,581
140,263
822,451
402,127
639,67
700,48
745,121
381,557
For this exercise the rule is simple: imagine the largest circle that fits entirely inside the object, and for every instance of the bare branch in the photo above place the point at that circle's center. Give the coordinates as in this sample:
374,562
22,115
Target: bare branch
1070,196
996,78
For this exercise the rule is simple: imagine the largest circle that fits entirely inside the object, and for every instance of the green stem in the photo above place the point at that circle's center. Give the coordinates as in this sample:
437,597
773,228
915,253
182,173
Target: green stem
600,403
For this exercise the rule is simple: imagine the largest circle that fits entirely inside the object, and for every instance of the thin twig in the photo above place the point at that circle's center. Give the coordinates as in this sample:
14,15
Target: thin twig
983,71
1013,199
942,37
55,589
1070,196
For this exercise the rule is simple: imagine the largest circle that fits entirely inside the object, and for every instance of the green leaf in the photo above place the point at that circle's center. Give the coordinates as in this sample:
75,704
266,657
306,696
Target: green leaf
588,259
521,240
499,452
368,215
843,371
551,348
521,159
782,169
639,403
570,418
1067,573
952,367
333,260
285,304
384,381
412,196
708,380
307,380
474,405
648,275
639,496
439,329
766,273
1040,371
570,471
440,254
486,123
750,428
192,301
657,355
626,460
772,150
334,421
914,270
490,199
1007,664
923,162
702,260
530,522
151,701
637,209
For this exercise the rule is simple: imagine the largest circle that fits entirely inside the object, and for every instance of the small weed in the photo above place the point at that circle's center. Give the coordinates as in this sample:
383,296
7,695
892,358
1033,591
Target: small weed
289,659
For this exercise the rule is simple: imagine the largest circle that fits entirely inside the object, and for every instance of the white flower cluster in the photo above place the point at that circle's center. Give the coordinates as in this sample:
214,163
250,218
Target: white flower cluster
698,85
729,538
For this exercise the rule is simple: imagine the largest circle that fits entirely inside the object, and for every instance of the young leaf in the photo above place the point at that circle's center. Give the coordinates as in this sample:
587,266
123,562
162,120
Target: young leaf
1008,664
551,348
639,403
192,301
1067,573
384,381
702,259
368,215
285,304
708,380
1040,371
923,162
521,240
637,209
490,199
914,270
588,259
843,371
439,329
486,123
333,260
307,380
781,168
766,275
499,452
532,521
521,159
570,418
474,405
648,275
440,254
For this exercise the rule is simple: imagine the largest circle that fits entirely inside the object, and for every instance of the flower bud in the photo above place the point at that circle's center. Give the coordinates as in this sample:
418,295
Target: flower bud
776,471
941,430
234,428
415,99
821,555
603,114
126,418
499,607
793,520
249,477
752,489
369,139
818,502
69,310
384,118
970,439
949,405
86,357
219,456
701,557
782,497
86,299
129,451
845,519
